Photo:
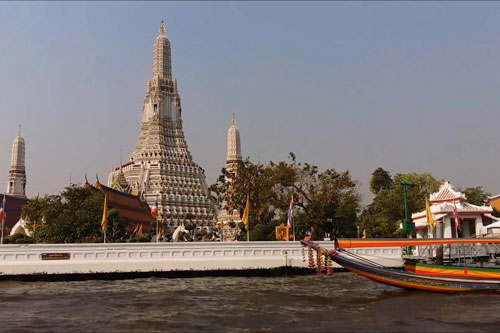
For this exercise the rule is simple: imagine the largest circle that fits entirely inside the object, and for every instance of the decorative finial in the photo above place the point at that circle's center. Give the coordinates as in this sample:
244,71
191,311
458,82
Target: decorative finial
121,160
19,132
234,120
97,178
162,28
86,180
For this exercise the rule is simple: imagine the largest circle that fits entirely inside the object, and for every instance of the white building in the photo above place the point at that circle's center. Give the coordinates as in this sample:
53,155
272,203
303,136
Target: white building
473,219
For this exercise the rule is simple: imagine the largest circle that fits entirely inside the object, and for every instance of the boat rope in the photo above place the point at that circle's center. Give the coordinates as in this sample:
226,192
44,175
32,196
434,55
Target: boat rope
360,258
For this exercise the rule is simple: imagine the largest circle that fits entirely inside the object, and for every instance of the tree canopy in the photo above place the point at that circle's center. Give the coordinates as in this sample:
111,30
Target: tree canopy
318,195
476,195
380,180
73,216
383,216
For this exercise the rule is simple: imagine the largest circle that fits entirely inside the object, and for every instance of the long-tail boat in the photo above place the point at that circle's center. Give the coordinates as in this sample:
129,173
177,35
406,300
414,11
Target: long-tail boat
468,277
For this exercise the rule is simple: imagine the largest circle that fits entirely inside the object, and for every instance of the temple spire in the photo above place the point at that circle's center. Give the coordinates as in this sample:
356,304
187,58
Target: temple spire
233,146
161,57
162,28
16,183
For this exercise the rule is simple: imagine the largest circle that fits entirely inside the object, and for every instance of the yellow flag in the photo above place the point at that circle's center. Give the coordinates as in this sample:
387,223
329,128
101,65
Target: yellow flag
244,219
159,234
364,233
139,233
104,221
430,220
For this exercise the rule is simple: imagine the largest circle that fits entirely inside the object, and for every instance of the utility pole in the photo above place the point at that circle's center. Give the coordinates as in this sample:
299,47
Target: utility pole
408,225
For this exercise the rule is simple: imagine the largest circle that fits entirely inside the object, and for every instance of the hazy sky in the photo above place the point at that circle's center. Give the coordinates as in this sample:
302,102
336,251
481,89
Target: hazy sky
410,87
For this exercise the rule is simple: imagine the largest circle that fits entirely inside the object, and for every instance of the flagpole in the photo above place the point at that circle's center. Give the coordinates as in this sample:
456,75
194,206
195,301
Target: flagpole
248,221
156,229
3,218
104,222
1,241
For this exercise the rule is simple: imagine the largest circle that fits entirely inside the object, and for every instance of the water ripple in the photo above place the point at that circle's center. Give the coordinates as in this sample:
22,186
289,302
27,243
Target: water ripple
344,302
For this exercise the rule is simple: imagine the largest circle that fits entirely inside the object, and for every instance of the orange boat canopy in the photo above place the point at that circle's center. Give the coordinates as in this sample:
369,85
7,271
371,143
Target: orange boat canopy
347,243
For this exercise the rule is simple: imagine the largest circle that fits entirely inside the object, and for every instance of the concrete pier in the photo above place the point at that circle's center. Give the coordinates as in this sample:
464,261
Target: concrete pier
128,258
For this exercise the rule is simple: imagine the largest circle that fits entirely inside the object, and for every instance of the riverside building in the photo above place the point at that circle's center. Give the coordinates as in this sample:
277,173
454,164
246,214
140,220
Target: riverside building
161,167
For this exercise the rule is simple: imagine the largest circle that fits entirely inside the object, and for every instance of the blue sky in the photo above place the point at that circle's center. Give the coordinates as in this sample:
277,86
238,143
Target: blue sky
410,86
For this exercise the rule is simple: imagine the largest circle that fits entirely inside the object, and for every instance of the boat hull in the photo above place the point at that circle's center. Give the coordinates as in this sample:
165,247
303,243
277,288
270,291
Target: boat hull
410,280
452,271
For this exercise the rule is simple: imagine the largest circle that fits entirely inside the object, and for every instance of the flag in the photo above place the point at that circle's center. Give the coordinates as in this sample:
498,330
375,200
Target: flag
104,222
139,232
244,219
2,213
159,234
290,214
136,230
430,220
364,233
2,210
455,216
154,209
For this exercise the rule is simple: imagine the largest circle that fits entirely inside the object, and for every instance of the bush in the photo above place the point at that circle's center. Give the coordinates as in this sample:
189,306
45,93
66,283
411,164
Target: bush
144,239
18,238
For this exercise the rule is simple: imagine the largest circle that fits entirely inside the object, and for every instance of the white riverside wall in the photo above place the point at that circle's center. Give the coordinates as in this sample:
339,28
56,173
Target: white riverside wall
28,259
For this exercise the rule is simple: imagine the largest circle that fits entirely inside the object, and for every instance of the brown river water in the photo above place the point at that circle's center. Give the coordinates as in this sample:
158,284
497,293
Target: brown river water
343,302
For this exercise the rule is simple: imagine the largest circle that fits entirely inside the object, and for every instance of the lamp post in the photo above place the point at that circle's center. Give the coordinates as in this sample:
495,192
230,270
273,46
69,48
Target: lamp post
408,225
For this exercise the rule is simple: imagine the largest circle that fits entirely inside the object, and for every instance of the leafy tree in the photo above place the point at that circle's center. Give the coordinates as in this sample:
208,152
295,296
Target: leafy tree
116,225
74,215
381,179
476,195
384,215
319,195
255,181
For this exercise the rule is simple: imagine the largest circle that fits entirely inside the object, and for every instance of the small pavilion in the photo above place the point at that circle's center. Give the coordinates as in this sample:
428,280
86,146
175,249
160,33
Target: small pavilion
473,219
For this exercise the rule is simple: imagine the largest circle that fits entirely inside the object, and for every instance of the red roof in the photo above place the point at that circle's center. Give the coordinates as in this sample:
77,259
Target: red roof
132,208
13,208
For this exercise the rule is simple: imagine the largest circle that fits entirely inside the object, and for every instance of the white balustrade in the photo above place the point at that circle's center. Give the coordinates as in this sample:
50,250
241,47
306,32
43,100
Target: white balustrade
18,259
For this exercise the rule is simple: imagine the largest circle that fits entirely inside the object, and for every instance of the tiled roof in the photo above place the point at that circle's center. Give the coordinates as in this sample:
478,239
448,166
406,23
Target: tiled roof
13,208
447,193
133,209
448,208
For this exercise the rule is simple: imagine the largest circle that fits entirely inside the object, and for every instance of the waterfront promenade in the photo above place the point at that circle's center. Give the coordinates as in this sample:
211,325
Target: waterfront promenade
139,258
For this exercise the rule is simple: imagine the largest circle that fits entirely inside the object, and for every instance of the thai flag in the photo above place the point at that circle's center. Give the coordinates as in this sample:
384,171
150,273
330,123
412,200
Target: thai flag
136,230
154,210
455,216
2,211
290,214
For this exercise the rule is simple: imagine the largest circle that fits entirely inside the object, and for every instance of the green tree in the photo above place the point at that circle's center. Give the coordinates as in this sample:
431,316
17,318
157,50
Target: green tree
116,225
74,215
383,216
318,195
381,179
255,181
476,195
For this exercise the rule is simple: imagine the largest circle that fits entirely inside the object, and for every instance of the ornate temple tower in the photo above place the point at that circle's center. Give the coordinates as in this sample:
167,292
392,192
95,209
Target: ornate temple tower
233,158
161,167
16,182
233,147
